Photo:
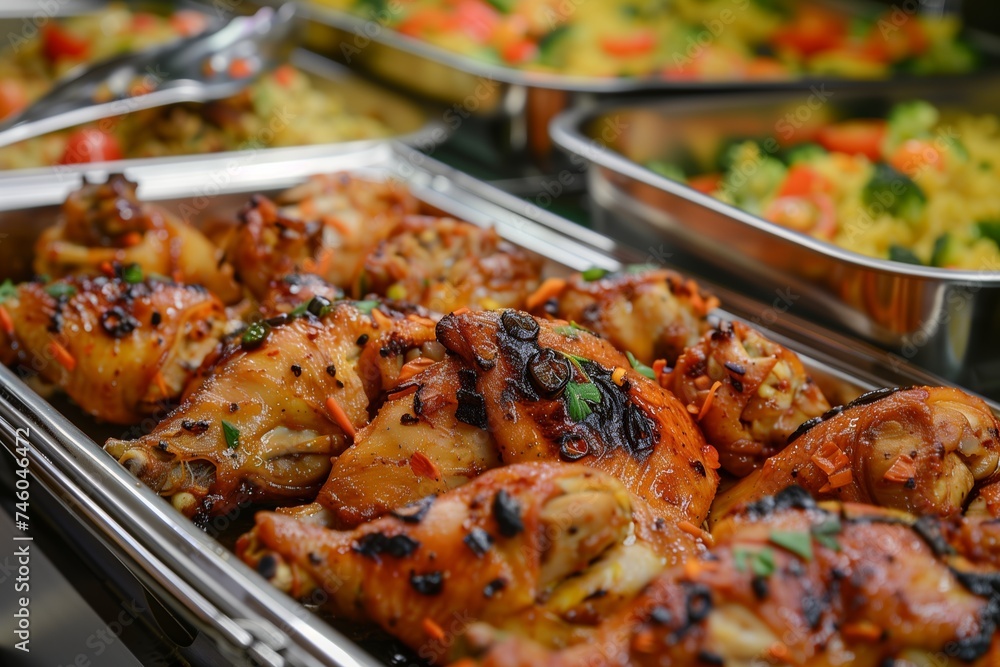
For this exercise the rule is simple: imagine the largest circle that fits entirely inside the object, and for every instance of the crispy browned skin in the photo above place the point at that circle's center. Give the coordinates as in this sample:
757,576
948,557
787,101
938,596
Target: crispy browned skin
327,226
652,313
445,264
275,394
121,351
104,224
293,290
872,591
542,549
921,450
521,385
764,394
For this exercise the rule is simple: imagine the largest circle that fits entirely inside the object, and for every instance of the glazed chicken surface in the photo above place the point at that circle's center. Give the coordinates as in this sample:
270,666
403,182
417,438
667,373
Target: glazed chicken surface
122,349
499,463
105,224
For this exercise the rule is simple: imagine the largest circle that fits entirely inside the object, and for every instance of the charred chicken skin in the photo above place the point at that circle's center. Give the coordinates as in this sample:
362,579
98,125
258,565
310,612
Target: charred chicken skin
121,349
105,224
283,398
790,582
537,548
446,264
923,450
652,313
326,227
519,390
749,393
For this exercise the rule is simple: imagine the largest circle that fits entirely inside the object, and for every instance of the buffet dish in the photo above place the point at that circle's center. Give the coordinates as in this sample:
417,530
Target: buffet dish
305,102
496,443
850,216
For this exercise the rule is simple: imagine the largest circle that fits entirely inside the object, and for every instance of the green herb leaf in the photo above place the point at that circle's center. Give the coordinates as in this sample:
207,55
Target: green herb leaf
8,290
366,307
592,274
640,367
762,563
132,274
299,310
740,557
799,543
570,330
232,435
255,334
578,395
60,290
826,532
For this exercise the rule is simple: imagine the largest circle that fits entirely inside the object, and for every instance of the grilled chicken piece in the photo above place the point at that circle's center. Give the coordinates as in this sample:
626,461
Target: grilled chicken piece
652,313
446,264
121,350
922,450
549,391
295,290
521,392
541,548
792,583
105,224
279,403
763,394
327,227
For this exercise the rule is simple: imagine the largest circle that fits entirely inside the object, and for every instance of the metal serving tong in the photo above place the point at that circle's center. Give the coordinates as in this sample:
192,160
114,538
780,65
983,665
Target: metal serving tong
194,69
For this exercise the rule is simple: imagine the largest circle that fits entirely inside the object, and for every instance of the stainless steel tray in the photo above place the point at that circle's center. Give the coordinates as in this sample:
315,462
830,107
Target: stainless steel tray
416,123
188,570
524,102
944,320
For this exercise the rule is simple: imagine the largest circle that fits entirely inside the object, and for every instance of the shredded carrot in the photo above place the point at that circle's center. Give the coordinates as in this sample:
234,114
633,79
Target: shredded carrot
903,469
423,466
273,353
460,311
339,225
107,269
433,630
549,289
6,323
411,368
829,458
618,376
695,531
296,583
340,417
694,566
161,383
711,455
864,631
402,391
837,480
418,319
62,356
778,651
658,367
702,382
707,405
381,319
644,641
131,239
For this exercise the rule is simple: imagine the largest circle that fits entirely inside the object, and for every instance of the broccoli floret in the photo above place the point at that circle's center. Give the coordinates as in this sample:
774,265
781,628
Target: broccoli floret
667,169
898,253
989,229
947,251
804,152
895,193
908,120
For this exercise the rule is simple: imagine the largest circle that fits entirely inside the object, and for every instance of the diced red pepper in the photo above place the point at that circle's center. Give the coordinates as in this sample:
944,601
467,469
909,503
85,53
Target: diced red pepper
636,44
58,43
854,137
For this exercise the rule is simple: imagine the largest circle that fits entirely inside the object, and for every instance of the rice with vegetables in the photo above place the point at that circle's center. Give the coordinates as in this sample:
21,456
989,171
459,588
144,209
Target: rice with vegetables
920,187
283,108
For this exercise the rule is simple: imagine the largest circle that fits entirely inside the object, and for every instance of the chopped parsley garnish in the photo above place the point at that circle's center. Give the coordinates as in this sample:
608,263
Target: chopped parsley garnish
8,290
570,330
799,543
641,367
578,397
60,290
761,562
826,532
366,307
132,274
592,274
232,435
